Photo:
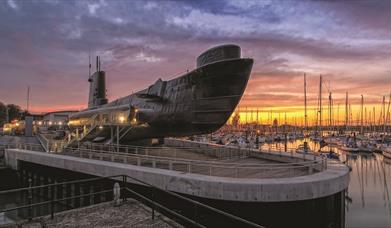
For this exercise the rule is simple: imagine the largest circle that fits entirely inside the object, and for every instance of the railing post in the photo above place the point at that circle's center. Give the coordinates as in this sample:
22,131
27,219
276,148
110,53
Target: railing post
30,199
195,216
51,202
153,204
325,163
310,168
170,165
138,161
124,182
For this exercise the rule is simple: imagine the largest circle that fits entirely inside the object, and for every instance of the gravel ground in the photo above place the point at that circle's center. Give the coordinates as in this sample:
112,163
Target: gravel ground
129,214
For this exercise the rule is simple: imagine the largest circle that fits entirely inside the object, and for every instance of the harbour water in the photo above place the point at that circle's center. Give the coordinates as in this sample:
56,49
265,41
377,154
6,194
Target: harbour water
368,196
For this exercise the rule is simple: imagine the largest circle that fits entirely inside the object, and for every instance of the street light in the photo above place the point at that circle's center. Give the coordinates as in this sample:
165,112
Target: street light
121,119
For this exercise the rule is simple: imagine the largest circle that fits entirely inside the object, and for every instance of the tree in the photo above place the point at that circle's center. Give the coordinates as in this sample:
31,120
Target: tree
14,112
3,114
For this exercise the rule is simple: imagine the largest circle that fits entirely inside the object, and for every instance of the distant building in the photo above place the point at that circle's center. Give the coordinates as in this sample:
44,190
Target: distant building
56,118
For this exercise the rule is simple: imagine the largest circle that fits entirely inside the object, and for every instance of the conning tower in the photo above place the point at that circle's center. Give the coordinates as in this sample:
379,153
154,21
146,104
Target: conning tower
97,96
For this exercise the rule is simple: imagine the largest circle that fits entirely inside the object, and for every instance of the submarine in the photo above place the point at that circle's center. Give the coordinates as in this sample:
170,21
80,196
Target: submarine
198,102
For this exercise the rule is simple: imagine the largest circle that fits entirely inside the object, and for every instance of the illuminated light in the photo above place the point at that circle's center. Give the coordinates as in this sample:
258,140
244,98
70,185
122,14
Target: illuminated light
50,122
17,124
60,123
100,127
136,110
40,123
121,119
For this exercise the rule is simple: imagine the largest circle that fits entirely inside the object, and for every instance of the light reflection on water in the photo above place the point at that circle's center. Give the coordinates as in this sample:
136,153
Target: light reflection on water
368,196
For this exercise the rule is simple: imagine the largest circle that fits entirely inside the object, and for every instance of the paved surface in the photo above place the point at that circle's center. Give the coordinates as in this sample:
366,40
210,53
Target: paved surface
130,214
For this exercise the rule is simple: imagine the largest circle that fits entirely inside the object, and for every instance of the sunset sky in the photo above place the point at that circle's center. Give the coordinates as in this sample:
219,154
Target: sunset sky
45,44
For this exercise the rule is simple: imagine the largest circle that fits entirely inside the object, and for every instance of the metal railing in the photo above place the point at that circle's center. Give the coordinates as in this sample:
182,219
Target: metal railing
211,168
172,151
23,146
195,214
153,157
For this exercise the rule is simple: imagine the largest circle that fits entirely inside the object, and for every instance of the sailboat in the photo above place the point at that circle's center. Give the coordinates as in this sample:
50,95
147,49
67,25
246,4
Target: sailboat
386,147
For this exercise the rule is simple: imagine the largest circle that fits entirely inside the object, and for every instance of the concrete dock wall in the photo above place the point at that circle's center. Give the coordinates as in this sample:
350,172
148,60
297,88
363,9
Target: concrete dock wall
333,180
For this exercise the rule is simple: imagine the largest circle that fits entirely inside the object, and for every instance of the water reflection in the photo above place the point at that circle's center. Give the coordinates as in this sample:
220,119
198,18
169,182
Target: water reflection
368,196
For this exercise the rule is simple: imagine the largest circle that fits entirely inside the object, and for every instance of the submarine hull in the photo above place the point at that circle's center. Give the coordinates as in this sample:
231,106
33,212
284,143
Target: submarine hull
212,98
197,102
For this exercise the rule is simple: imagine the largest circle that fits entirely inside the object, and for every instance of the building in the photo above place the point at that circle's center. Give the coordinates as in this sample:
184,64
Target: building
57,118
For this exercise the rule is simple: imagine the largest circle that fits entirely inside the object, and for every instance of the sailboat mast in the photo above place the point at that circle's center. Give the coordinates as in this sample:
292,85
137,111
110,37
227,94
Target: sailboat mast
305,104
388,110
346,112
384,114
338,115
330,111
320,105
374,119
362,114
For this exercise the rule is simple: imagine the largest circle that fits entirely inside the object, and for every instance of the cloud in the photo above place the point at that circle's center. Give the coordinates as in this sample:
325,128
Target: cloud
12,4
148,58
92,8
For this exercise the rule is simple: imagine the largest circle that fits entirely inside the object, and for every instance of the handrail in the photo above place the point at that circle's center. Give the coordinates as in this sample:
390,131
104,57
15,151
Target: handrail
124,181
45,142
209,168
195,161
199,167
